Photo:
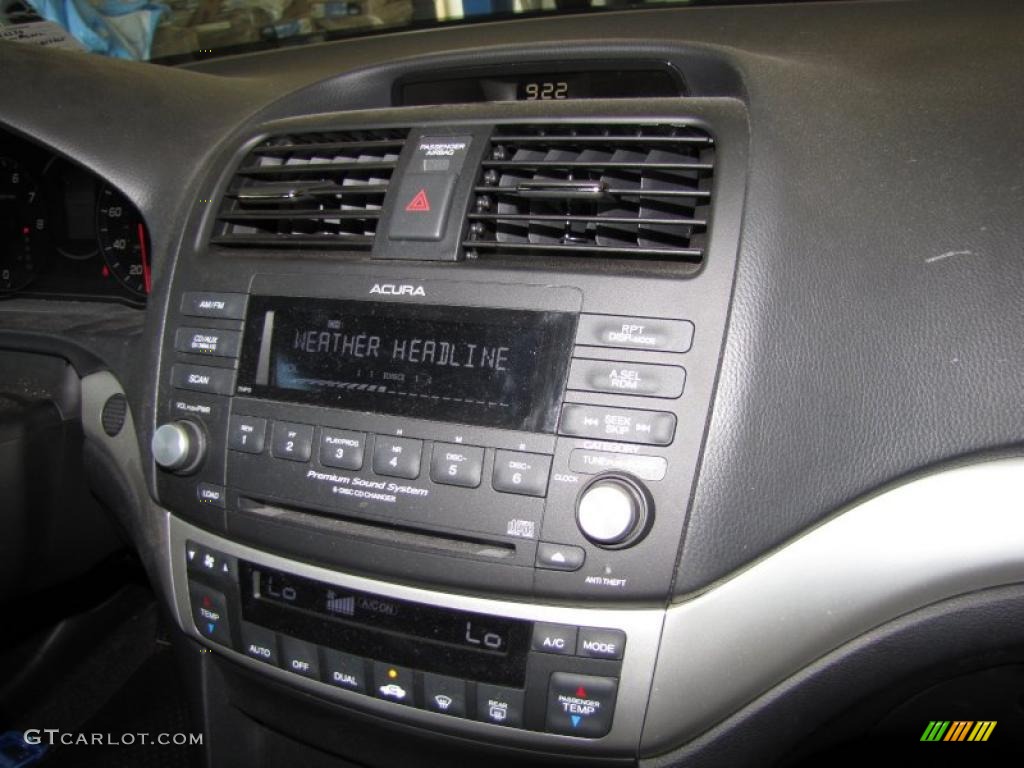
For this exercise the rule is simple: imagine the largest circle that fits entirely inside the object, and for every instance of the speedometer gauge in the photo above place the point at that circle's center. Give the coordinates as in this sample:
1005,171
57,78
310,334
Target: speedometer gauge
22,226
123,241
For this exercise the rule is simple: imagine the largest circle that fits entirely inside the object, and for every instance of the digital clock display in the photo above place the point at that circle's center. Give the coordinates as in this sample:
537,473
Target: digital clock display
596,83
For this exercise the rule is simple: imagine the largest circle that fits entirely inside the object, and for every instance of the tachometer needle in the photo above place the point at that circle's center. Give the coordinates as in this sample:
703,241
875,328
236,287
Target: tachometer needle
146,279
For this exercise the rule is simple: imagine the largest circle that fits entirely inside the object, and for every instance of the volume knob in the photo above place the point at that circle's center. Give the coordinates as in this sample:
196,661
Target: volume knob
614,511
178,446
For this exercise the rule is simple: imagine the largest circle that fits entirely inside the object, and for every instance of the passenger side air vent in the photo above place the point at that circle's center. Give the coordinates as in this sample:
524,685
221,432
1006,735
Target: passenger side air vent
628,192
314,190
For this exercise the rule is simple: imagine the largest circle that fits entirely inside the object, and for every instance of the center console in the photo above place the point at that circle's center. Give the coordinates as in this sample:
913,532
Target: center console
449,491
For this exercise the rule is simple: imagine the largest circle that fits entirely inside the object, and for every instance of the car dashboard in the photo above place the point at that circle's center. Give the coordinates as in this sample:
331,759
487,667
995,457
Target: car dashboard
636,387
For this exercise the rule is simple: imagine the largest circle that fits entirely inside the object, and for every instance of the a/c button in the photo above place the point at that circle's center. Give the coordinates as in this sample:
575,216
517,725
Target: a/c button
554,638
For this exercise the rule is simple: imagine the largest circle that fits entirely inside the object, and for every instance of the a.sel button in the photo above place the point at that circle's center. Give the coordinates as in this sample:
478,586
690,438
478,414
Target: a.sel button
622,424
342,449
581,705
627,378
601,643
453,464
635,333
554,638
522,473
202,378
299,657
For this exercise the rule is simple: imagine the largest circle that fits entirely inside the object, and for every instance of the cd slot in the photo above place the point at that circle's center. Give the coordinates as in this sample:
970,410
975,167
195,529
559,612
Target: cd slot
382,547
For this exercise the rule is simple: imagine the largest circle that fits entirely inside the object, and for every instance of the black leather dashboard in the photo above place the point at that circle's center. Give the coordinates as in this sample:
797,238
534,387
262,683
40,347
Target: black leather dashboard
874,326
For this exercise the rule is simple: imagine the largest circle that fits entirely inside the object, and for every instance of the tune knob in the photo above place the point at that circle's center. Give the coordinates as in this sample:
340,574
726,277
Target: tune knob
614,511
178,446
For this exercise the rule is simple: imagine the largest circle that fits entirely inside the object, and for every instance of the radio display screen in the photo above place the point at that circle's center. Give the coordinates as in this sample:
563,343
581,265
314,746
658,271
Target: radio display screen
502,368
425,637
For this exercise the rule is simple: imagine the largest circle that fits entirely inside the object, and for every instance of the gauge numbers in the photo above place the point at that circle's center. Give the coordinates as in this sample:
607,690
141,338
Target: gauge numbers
22,226
123,241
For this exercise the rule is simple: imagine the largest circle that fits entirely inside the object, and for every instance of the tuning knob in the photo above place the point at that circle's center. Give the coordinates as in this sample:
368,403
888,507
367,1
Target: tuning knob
614,511
178,446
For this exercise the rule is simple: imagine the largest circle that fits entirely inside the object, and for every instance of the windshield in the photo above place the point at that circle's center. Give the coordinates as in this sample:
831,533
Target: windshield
172,31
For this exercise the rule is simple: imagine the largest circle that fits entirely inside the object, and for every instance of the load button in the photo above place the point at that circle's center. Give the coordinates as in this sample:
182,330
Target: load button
581,705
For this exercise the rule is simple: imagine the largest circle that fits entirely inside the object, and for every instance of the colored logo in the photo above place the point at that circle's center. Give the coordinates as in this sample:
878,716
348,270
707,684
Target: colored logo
958,730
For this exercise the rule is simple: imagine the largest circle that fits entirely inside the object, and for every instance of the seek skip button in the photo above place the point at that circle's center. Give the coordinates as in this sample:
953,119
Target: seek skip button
601,643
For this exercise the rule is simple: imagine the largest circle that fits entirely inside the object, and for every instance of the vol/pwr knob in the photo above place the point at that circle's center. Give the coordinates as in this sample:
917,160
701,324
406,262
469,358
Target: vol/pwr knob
614,511
178,446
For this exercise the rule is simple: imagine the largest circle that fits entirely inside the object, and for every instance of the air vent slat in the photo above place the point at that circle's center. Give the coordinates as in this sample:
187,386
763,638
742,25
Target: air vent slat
322,190
613,191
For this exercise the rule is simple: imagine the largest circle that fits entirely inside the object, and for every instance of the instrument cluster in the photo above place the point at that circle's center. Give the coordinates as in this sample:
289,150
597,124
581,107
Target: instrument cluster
65,233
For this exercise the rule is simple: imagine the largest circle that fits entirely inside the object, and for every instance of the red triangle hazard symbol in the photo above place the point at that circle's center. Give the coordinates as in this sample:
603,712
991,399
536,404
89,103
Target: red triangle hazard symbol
581,692
419,202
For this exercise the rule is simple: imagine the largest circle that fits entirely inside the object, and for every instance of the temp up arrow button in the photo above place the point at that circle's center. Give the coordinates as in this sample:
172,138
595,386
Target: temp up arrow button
581,705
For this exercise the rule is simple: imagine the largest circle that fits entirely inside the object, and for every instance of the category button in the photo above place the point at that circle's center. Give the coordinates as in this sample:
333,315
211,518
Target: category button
202,378
581,705
247,434
397,457
292,441
454,464
601,643
522,473
627,378
208,341
230,306
554,638
342,449
620,424
635,333
594,462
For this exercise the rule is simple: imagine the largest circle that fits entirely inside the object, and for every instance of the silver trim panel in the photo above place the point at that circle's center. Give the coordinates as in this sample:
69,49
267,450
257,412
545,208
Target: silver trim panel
944,535
642,628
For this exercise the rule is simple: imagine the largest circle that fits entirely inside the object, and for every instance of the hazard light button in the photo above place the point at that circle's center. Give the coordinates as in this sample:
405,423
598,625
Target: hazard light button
420,207
581,705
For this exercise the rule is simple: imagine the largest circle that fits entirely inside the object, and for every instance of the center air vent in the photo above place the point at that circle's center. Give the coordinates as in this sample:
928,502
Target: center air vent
322,190
628,192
